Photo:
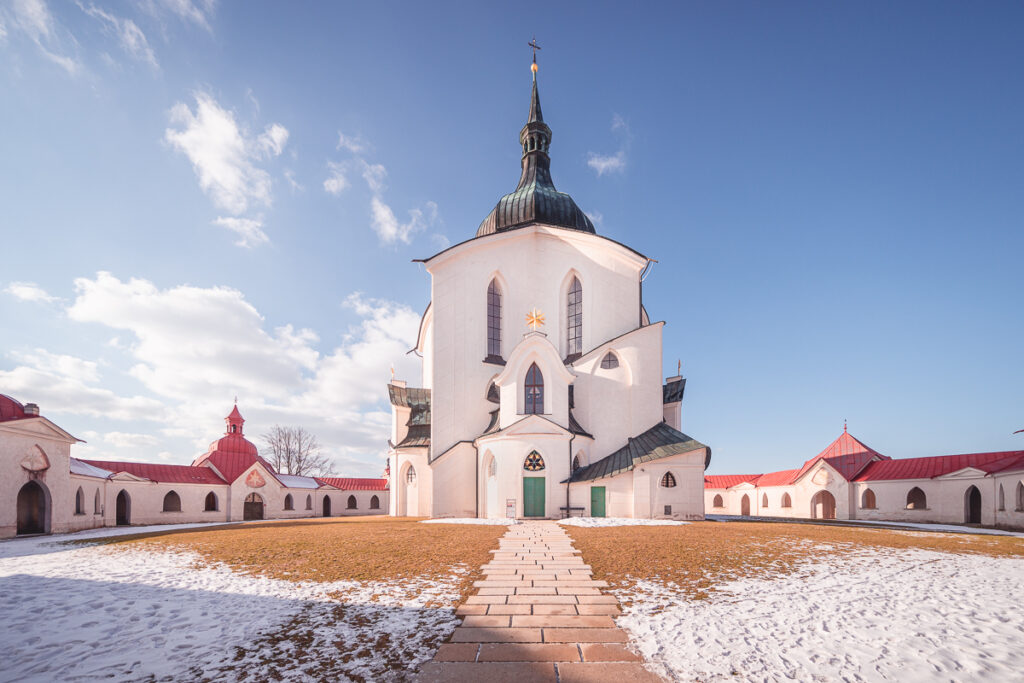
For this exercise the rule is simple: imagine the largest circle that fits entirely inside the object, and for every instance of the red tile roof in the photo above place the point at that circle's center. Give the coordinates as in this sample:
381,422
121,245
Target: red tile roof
846,455
170,474
936,466
724,481
349,484
777,478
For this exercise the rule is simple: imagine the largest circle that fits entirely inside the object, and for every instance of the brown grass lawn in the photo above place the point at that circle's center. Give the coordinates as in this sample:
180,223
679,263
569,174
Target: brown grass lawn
700,555
335,549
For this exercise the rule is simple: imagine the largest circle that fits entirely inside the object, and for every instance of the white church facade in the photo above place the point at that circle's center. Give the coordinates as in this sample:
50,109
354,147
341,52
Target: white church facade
541,393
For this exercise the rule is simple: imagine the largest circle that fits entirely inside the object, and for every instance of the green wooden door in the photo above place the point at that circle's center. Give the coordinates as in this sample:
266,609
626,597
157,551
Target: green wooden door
533,497
597,501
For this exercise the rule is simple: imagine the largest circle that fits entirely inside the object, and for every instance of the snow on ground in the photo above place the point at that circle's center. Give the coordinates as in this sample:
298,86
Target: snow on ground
505,521
617,521
80,612
887,615
954,528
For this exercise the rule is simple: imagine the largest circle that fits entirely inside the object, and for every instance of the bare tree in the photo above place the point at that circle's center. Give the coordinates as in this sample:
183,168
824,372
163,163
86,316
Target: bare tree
293,450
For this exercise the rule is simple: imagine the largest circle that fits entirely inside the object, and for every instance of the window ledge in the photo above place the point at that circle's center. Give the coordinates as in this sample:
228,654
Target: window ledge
79,514
494,360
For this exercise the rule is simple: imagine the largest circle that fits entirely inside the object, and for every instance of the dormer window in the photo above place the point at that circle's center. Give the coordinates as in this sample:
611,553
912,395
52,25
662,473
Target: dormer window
610,361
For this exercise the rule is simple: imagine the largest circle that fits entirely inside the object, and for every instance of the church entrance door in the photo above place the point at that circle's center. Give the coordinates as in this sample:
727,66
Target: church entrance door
31,509
253,507
124,509
745,505
972,506
533,497
597,501
327,506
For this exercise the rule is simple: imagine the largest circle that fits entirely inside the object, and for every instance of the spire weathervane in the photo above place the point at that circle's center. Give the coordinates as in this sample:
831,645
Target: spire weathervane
535,46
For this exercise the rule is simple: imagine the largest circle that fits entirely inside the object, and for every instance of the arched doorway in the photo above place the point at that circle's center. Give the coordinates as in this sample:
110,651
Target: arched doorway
327,506
972,505
253,507
823,505
745,505
124,508
33,510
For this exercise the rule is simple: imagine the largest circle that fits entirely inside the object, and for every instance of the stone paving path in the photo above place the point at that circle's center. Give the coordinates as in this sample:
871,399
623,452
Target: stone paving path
537,616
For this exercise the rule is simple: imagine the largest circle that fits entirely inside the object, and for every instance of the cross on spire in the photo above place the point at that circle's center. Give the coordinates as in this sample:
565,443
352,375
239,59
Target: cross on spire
535,46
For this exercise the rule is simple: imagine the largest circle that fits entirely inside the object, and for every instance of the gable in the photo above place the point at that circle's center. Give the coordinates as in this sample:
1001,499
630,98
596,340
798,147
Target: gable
38,428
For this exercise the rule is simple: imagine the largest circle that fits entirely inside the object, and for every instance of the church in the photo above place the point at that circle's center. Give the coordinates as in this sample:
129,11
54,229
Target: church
541,393
44,489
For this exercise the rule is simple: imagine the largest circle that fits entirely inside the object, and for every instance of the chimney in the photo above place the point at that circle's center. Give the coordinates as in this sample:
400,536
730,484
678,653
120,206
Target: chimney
31,409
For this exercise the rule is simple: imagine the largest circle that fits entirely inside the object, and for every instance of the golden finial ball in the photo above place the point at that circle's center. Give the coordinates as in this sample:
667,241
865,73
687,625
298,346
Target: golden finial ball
533,67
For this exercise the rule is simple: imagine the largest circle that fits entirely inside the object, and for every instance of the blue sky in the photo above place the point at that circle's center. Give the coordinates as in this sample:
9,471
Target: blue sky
202,200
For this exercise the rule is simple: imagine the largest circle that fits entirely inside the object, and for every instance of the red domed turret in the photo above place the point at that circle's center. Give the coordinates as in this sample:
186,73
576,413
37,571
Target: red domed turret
10,409
232,454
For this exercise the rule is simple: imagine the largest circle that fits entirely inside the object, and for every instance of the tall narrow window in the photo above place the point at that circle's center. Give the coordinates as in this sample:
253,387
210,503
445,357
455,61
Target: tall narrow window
574,319
534,391
80,502
493,320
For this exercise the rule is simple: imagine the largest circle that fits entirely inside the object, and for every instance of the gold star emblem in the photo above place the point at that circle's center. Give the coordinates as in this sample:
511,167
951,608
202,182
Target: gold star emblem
535,319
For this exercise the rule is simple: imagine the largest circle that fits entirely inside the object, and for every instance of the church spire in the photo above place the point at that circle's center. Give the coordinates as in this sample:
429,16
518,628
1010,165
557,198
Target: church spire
535,199
234,421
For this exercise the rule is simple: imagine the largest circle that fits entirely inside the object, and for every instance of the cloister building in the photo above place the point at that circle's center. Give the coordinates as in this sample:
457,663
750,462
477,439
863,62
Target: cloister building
849,480
43,489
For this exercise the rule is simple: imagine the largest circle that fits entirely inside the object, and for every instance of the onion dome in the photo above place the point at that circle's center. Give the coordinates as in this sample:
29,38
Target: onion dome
535,200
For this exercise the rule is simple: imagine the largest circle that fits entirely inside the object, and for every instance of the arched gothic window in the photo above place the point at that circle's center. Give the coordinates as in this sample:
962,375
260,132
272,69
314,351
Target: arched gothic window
867,501
492,468
610,361
288,504
309,502
764,501
80,501
374,503
1002,498
916,500
574,319
96,503
410,476
172,502
494,320
575,463
351,503
211,502
534,391
718,502
787,502
1020,496
668,481
534,462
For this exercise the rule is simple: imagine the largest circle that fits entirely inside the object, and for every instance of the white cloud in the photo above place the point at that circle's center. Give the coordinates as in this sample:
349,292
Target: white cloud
129,440
222,155
607,164
132,39
356,145
199,14
336,181
273,139
33,18
68,384
289,175
596,217
612,163
375,176
28,291
390,230
249,230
